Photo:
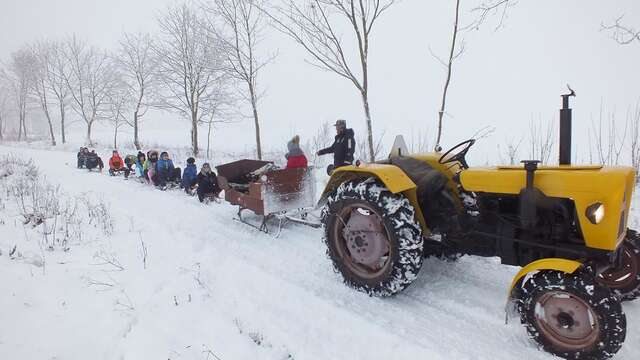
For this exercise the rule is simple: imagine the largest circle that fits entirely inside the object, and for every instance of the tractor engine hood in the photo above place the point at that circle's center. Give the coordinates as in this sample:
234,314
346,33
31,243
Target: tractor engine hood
585,185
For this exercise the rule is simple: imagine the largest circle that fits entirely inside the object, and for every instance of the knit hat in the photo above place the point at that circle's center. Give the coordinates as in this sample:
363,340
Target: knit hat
341,123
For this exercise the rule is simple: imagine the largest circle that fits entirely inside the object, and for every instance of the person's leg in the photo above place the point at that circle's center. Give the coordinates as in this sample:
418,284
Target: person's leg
161,179
126,173
112,172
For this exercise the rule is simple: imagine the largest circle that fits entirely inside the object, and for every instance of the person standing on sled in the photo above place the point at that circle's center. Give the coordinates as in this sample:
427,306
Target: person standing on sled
343,147
116,165
207,183
295,156
189,175
166,172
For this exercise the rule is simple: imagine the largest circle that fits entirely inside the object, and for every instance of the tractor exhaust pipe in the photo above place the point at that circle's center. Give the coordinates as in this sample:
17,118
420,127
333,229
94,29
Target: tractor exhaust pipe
565,129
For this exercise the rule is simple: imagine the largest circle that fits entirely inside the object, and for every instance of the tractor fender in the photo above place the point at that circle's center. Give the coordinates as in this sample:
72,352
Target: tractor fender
391,176
564,265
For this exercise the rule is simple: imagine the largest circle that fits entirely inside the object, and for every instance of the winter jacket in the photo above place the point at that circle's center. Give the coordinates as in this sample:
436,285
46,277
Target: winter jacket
295,157
342,148
165,166
189,176
139,169
82,158
116,162
93,161
149,165
130,160
299,161
207,183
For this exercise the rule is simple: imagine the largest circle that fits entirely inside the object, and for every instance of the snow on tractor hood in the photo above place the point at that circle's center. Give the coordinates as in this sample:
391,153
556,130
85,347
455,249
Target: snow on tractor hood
586,185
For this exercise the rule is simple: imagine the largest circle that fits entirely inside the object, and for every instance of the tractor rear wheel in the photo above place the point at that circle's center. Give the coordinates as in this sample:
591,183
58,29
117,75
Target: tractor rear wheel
571,316
372,237
624,280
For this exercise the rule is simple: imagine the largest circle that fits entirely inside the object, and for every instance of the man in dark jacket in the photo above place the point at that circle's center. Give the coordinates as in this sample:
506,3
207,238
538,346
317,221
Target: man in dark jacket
207,183
343,146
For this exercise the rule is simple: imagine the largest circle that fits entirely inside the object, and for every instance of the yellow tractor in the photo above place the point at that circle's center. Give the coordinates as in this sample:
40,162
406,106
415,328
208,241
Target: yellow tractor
565,225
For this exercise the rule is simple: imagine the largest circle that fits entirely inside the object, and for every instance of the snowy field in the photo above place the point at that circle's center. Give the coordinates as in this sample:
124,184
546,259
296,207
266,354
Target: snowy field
170,278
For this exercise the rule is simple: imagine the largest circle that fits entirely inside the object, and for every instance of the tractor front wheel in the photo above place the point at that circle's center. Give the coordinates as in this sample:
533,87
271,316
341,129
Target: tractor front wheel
624,280
373,237
571,316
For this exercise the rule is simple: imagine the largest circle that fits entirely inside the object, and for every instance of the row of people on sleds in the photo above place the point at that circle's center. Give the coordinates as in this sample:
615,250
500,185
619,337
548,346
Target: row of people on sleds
157,170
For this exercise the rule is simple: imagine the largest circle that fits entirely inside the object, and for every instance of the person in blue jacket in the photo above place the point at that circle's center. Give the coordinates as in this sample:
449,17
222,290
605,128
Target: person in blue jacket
189,175
166,172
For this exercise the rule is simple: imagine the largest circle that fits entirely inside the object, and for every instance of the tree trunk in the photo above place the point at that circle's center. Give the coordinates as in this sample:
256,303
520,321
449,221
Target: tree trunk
62,130
367,114
115,138
89,142
1,127
20,129
194,133
53,136
136,140
209,140
254,106
448,80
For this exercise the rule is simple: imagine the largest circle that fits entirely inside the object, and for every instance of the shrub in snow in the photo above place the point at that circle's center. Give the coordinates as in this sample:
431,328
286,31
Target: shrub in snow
60,219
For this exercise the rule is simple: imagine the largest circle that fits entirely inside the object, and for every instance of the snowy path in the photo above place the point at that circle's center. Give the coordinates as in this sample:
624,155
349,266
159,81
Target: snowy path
240,294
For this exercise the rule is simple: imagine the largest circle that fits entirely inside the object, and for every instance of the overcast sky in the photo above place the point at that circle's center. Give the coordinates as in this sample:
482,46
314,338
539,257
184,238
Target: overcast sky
505,77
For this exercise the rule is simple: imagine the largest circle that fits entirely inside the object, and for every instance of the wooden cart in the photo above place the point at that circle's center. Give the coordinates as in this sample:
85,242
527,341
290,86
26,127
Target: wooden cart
273,194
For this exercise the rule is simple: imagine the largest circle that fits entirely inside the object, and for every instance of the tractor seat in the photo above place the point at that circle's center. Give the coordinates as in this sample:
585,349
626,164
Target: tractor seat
434,196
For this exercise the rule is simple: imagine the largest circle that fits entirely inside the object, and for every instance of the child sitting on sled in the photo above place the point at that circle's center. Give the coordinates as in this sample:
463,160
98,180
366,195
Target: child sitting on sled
189,176
116,165
207,183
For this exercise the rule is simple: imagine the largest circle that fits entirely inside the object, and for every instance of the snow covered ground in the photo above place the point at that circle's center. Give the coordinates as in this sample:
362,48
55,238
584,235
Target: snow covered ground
211,288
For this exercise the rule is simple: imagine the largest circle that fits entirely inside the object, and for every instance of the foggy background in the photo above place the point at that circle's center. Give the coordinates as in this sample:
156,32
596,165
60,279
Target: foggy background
505,78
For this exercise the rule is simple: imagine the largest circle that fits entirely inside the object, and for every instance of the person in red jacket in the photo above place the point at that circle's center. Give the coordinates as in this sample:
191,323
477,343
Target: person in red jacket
116,165
295,157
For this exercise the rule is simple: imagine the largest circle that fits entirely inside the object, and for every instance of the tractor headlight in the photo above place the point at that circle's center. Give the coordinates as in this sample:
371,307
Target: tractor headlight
595,212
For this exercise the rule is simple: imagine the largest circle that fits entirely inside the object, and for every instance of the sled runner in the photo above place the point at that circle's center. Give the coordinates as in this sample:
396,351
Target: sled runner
274,195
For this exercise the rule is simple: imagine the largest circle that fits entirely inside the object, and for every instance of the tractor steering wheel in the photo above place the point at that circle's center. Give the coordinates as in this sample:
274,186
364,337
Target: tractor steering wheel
459,156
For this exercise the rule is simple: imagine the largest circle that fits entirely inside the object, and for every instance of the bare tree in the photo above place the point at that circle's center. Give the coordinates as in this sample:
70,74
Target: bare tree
315,25
512,150
17,77
90,80
119,102
320,140
419,142
39,80
191,66
621,33
491,8
453,54
138,62
58,71
243,24
541,140
609,143
4,102
634,119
